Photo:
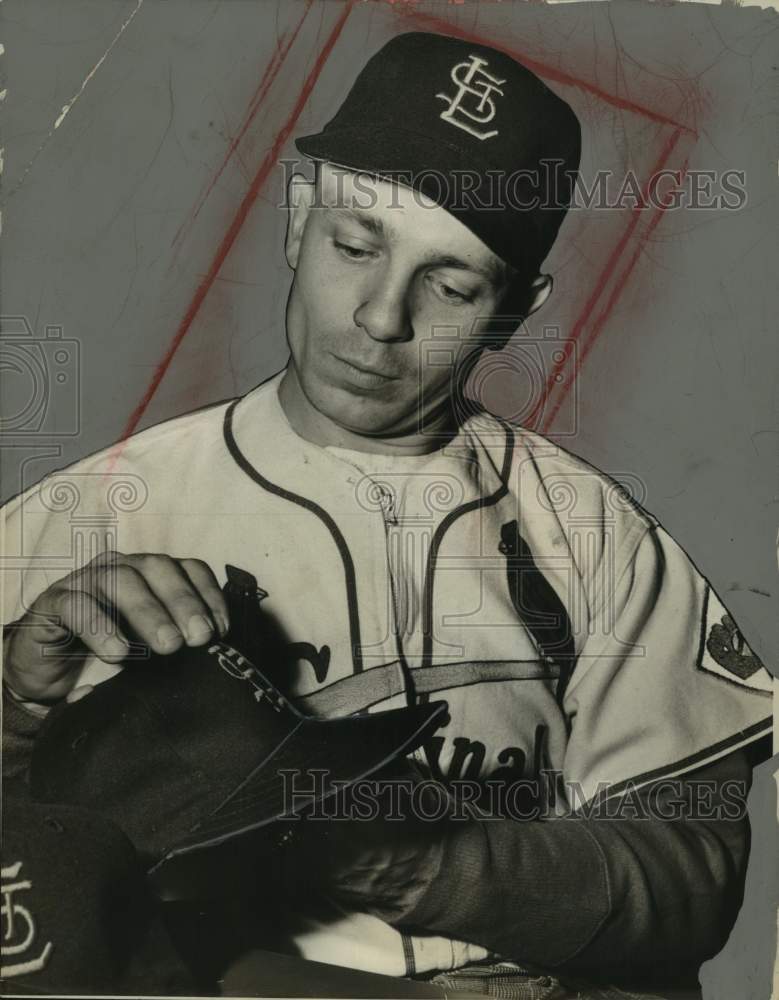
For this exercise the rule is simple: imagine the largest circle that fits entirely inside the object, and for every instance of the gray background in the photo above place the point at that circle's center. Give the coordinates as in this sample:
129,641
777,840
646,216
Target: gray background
113,219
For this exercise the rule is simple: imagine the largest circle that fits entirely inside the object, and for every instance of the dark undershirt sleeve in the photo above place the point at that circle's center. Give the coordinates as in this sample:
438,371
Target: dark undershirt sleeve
20,728
616,897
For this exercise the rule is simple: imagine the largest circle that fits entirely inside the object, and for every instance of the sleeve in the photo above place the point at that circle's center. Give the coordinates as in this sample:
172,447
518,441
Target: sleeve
37,550
66,520
48,532
34,542
664,681
631,898
20,729
663,702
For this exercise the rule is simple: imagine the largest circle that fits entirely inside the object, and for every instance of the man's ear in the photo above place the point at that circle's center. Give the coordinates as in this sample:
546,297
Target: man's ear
540,290
300,198
518,305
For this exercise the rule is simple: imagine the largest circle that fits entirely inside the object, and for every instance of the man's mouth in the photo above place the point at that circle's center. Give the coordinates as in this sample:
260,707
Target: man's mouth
363,374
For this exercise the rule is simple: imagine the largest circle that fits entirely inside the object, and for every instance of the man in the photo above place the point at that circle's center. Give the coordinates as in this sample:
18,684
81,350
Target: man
411,546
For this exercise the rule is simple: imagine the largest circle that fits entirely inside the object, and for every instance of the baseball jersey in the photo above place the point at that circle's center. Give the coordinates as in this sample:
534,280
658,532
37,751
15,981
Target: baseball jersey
566,631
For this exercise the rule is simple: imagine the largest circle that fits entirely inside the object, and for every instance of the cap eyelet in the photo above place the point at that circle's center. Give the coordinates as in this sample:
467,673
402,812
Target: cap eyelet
78,741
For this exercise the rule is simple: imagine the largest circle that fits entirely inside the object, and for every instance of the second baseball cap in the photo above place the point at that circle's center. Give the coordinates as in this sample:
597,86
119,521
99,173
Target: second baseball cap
77,916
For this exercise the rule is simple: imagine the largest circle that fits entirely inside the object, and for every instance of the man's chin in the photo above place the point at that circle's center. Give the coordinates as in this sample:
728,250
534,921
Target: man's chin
367,412
382,416
371,421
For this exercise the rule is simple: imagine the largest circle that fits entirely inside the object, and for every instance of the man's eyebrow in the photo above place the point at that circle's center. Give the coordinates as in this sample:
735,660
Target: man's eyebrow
369,222
493,270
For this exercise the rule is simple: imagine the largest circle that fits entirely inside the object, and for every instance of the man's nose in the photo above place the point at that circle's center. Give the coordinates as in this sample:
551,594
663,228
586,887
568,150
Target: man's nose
384,313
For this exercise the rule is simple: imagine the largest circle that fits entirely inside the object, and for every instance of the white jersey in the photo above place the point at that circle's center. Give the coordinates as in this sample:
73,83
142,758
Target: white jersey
564,628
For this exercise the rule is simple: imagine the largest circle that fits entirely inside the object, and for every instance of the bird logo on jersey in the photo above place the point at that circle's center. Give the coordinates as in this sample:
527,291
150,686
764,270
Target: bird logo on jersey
725,651
728,647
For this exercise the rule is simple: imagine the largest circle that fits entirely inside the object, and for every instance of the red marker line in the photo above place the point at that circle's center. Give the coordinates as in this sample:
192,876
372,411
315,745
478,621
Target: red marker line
552,73
271,72
234,229
542,69
611,301
603,279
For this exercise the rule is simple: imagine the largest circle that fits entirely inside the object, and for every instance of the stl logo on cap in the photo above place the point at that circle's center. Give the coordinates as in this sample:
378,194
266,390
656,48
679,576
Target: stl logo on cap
472,81
19,930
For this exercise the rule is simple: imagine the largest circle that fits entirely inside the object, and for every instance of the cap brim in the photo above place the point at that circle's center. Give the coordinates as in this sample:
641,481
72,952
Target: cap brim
319,758
386,152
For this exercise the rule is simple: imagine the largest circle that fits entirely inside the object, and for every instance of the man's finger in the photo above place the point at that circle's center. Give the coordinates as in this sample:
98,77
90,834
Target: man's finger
203,579
87,620
124,588
175,591
50,642
80,692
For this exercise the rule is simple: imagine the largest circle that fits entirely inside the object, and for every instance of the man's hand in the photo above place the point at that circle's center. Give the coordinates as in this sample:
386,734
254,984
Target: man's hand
161,601
382,865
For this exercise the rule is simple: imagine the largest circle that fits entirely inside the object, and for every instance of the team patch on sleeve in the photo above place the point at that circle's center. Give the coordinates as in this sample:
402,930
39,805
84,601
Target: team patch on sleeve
724,650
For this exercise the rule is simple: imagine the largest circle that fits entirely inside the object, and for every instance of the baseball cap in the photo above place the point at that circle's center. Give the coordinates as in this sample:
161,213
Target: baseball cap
470,127
189,751
77,916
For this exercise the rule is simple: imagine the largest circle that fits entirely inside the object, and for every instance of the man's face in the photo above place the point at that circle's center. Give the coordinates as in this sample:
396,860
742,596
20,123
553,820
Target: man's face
377,269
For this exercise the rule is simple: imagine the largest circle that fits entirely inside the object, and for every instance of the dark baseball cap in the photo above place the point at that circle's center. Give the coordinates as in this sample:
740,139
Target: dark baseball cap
471,128
187,752
77,916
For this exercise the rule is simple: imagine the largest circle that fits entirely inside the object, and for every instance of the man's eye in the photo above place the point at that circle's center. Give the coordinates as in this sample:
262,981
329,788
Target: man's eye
450,294
353,252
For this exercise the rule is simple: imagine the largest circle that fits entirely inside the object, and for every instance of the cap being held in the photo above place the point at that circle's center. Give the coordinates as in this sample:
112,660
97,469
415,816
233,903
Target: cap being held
469,127
187,753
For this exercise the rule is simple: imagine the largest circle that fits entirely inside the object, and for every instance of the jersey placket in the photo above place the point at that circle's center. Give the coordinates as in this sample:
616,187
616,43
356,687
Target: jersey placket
393,541
403,549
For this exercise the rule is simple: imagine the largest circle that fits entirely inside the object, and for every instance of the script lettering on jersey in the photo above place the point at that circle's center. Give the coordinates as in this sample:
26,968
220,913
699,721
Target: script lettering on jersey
318,658
521,786
468,756
19,929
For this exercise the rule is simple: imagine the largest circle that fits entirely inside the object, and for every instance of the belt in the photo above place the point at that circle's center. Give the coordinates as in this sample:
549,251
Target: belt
509,981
